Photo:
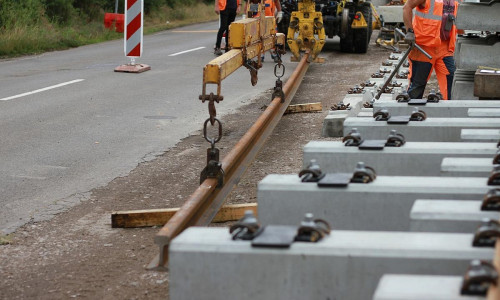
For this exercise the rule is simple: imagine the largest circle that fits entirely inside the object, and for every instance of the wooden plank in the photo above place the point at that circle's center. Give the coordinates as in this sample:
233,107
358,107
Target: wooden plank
159,217
306,107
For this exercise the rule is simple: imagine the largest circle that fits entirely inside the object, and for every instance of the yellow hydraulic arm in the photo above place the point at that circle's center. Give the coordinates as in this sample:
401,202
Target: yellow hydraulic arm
248,39
306,30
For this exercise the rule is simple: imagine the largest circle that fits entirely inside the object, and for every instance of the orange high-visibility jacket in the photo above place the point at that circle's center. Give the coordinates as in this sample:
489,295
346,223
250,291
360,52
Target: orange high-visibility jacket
270,8
222,4
427,24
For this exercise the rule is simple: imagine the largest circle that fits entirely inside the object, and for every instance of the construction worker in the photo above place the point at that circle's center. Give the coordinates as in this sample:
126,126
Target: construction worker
272,9
227,9
433,29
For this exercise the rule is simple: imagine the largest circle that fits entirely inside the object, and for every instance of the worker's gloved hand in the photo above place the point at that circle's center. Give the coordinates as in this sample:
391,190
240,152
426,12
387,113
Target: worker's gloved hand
279,17
410,38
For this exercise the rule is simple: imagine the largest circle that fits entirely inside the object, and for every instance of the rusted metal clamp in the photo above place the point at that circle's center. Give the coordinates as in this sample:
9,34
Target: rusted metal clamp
377,75
387,63
369,104
395,139
363,174
341,106
253,67
494,178
280,50
247,228
368,83
487,234
354,139
213,168
402,75
496,158
478,278
212,99
418,115
278,88
491,201
403,97
393,57
434,97
312,230
356,90
312,173
381,115
385,71
386,90
394,84
384,115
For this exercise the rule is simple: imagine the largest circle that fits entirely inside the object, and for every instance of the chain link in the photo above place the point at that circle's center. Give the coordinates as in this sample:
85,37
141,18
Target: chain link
278,88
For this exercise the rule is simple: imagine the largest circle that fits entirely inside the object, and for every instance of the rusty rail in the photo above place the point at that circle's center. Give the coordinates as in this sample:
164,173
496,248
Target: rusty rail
494,290
201,207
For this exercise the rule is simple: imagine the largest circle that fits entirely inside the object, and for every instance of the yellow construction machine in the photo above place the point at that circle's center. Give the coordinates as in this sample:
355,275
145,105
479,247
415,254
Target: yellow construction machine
308,22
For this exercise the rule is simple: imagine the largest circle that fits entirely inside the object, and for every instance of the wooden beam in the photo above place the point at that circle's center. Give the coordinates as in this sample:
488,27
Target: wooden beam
159,217
305,107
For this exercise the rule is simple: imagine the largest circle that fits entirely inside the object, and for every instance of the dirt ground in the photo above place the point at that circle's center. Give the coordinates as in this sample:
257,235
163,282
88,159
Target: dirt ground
78,255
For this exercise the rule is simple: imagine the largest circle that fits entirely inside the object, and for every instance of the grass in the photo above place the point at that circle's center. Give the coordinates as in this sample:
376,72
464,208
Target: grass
6,239
26,38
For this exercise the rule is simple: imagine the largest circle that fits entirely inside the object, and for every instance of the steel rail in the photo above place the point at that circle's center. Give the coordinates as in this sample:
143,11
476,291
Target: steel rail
494,290
201,207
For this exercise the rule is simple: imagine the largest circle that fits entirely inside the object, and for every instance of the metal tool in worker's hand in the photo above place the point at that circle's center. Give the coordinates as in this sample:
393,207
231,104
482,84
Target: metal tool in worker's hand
478,278
214,167
396,68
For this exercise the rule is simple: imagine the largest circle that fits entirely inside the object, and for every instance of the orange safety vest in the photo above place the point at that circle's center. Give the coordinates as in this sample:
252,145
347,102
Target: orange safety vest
222,4
427,24
270,8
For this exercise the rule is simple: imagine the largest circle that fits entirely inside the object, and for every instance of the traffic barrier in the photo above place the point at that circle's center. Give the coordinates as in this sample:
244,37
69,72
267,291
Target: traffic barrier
133,40
118,20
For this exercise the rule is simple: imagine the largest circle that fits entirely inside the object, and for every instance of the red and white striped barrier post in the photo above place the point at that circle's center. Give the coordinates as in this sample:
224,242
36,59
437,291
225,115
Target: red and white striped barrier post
133,39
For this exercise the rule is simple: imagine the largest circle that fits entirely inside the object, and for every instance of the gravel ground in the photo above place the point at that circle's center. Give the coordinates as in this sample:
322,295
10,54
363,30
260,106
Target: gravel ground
78,255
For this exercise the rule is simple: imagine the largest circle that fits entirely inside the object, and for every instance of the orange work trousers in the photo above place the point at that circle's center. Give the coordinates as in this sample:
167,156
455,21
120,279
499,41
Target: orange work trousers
421,67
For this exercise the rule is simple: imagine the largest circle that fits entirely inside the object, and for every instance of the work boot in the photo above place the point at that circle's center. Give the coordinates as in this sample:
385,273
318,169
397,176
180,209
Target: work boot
218,51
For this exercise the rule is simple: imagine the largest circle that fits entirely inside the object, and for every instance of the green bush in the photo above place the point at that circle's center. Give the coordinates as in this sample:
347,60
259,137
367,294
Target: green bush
60,11
23,13
35,26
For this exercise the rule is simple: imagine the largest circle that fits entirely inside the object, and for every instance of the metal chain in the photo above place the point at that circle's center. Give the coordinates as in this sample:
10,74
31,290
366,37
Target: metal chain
278,88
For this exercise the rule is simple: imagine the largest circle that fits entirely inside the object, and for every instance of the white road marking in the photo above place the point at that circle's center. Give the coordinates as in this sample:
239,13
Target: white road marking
190,50
42,90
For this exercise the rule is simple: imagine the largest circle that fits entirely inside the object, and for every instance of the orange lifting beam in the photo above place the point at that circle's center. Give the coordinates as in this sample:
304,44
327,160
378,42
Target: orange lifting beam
248,38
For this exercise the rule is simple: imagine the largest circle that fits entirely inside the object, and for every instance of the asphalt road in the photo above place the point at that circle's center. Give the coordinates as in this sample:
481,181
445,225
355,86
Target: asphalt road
69,123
